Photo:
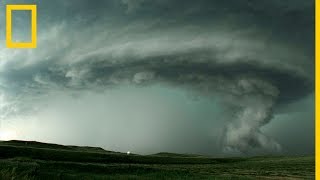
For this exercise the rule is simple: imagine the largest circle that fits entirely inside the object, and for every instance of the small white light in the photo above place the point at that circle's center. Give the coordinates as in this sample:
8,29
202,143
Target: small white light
128,153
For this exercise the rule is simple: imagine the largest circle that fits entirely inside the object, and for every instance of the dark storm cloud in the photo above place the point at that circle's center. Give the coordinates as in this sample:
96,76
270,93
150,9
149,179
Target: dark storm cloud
183,71
257,55
178,69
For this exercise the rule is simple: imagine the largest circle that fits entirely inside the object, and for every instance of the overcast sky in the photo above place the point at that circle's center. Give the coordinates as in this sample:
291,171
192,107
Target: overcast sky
208,77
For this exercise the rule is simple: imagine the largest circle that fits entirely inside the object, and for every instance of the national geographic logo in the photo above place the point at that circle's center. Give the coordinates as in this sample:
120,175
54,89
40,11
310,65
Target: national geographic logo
21,7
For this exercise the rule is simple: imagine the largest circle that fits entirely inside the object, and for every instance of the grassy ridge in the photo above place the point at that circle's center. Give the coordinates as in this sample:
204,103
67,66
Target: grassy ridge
33,160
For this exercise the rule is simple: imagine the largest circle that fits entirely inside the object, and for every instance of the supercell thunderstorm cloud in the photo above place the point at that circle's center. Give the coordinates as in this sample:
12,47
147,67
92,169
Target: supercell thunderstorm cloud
211,77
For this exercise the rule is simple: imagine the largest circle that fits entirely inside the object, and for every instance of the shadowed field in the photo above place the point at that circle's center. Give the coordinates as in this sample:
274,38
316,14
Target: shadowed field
34,160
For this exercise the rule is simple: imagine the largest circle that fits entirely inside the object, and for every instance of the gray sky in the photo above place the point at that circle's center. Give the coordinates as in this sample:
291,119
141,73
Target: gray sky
209,77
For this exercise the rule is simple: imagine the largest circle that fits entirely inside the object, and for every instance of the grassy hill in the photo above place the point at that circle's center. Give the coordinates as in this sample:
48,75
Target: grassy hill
34,160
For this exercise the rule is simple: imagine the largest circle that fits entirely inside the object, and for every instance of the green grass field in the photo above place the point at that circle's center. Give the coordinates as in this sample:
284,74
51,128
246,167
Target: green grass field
33,160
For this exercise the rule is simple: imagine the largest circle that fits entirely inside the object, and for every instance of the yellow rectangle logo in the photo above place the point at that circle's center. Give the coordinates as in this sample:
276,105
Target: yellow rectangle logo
10,43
